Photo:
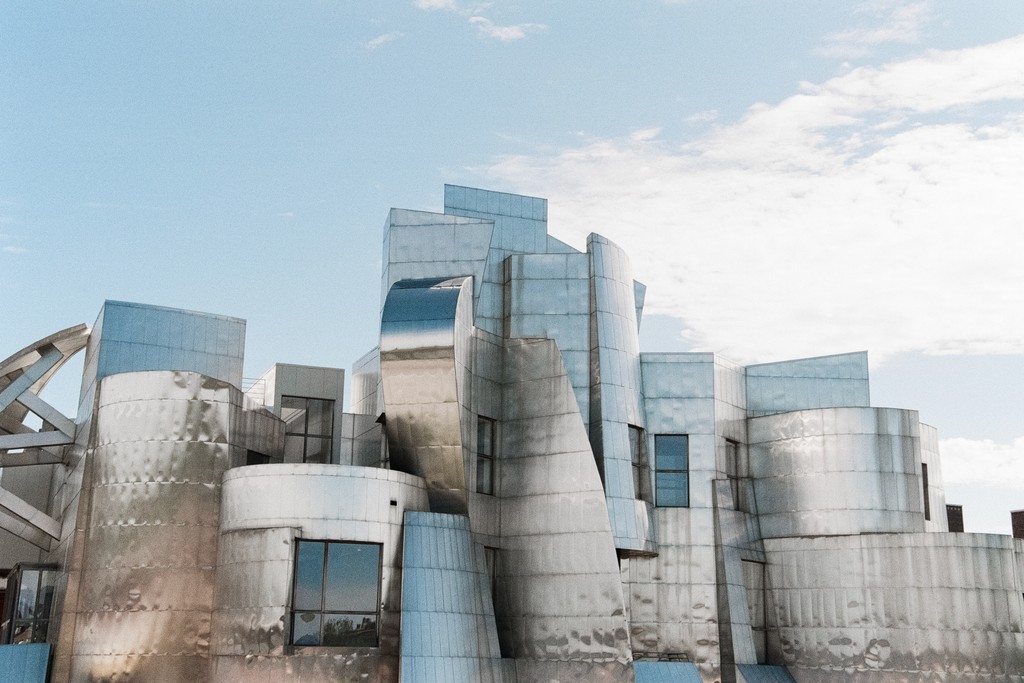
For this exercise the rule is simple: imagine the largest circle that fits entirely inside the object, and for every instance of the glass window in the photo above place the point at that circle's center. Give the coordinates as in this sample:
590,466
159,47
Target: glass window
309,428
336,594
485,455
672,470
638,458
29,601
924,485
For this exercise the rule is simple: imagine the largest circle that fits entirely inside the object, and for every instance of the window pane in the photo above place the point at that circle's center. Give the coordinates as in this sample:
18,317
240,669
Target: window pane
353,571
317,449
350,630
484,476
673,489
306,628
26,607
309,576
671,452
293,412
319,417
484,436
635,447
293,448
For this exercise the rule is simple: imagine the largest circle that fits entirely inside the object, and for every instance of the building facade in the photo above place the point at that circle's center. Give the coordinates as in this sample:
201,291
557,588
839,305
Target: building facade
516,494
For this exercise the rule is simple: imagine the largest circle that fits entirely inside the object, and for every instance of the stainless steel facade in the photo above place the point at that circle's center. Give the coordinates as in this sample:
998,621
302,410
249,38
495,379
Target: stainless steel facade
532,498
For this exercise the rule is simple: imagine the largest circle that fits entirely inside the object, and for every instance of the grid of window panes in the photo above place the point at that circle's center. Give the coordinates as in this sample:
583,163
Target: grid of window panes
638,458
336,594
29,601
672,470
485,455
309,428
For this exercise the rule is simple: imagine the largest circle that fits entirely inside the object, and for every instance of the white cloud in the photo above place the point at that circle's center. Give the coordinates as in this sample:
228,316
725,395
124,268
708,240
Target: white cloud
706,116
446,5
383,39
10,249
985,462
489,29
878,210
885,22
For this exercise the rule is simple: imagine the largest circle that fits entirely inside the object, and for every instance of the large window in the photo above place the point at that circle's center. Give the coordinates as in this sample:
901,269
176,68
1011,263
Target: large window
336,594
638,459
485,455
309,428
29,599
672,470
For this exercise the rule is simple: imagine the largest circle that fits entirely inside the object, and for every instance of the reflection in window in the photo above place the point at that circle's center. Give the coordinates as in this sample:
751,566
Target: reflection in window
309,428
336,594
26,617
485,455
672,470
638,458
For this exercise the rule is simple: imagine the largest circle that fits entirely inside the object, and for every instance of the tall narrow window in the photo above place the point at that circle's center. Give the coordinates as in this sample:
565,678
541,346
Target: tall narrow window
336,594
924,485
485,455
309,428
736,471
672,470
638,458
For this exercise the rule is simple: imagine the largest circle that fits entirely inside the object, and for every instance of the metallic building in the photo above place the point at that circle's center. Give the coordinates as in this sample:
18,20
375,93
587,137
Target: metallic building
517,494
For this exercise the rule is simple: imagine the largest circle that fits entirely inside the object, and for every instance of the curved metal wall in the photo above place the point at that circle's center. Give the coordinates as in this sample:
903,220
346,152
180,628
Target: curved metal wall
837,471
897,607
265,508
616,391
424,346
560,609
144,597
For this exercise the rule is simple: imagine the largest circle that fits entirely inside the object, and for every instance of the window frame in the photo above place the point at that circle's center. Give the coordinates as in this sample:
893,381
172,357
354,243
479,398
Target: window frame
484,459
639,462
306,435
659,470
322,612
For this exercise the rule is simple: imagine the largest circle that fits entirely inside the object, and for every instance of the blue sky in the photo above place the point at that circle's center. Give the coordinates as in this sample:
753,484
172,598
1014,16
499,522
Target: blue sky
792,178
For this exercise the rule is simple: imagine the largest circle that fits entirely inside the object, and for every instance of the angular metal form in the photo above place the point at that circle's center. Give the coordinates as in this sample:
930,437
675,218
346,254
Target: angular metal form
425,330
517,494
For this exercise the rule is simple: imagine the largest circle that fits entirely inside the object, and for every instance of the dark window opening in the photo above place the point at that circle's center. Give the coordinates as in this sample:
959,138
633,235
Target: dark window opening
309,429
955,518
638,459
485,455
336,594
924,485
672,470
257,458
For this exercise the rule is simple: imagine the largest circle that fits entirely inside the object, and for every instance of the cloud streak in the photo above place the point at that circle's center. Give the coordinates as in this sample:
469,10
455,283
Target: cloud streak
383,39
875,210
488,29
886,22
983,462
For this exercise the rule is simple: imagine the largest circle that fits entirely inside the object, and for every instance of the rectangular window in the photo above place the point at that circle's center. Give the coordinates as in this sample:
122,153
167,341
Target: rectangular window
336,594
309,429
924,485
672,470
736,471
29,599
638,458
485,455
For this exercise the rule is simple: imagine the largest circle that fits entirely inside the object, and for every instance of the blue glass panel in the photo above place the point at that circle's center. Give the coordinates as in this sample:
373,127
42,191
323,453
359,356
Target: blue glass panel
353,577
309,576
672,452
673,489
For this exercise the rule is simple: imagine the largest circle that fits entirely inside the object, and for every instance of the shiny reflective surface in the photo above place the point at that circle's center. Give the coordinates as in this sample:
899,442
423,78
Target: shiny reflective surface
486,511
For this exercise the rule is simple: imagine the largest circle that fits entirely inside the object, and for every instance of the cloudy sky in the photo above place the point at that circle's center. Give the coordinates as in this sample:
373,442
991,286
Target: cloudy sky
792,178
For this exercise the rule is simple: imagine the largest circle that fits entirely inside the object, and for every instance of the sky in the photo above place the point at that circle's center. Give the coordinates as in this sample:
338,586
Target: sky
791,178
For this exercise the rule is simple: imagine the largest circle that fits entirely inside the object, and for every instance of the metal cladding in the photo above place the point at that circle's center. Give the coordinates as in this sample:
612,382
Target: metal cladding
446,635
518,495
425,332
